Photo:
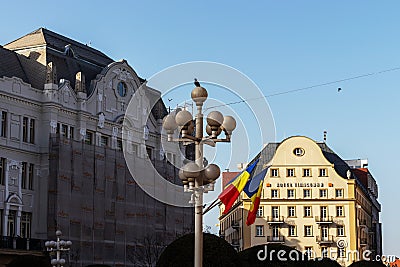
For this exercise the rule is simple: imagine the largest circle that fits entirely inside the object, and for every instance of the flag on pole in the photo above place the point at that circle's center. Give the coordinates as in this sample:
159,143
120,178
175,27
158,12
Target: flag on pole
253,190
255,203
252,185
235,187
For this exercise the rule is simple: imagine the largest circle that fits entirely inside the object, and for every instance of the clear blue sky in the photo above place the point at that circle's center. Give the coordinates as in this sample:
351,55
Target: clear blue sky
281,45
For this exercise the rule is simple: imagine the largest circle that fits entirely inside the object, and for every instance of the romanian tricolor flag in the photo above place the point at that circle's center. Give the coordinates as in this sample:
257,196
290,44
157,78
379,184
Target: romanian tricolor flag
255,203
235,187
253,190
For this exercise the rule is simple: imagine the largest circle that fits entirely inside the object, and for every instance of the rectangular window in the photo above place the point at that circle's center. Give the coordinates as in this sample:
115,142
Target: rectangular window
89,138
323,193
307,193
324,212
3,124
308,230
11,219
30,176
323,172
119,144
324,252
291,211
274,193
64,130
275,212
24,129
340,230
339,211
307,211
339,193
32,131
135,149
26,219
2,170
149,151
341,253
71,132
306,172
103,141
259,230
292,230
309,252
290,193
260,212
274,172
275,232
28,130
325,232
290,172
24,175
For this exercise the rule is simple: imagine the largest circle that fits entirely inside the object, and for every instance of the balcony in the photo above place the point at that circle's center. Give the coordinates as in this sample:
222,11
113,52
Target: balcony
275,219
323,220
9,242
324,239
235,243
235,225
363,242
221,234
371,232
276,239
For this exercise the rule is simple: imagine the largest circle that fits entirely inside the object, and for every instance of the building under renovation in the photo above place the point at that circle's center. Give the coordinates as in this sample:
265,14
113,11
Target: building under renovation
62,105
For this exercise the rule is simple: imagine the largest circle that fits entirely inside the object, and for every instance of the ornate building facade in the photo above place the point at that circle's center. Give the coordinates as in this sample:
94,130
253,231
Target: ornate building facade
62,105
312,200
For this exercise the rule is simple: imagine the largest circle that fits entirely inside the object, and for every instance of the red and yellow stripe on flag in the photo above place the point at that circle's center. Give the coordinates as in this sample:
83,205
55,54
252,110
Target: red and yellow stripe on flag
235,187
255,203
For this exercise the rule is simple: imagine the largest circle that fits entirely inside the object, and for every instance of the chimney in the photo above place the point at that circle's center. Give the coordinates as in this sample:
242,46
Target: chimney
80,83
325,133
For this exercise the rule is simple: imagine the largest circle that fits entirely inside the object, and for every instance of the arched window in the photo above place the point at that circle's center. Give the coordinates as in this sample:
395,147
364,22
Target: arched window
121,88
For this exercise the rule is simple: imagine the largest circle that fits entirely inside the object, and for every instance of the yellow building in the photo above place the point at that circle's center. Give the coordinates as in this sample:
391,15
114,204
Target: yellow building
312,200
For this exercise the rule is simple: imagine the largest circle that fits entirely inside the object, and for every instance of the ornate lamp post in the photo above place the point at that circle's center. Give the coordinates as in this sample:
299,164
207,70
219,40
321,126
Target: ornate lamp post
57,247
196,177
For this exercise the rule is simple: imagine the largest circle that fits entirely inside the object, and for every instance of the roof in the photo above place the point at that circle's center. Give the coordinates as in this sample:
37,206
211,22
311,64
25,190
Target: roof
339,164
22,58
82,58
362,175
228,176
58,42
265,156
11,65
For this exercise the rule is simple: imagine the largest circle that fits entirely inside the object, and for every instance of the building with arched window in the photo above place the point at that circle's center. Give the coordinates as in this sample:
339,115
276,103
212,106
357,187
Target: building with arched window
62,105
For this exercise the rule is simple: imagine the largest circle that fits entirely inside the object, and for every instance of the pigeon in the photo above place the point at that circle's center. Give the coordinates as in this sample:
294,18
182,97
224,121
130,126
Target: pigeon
339,89
170,99
196,83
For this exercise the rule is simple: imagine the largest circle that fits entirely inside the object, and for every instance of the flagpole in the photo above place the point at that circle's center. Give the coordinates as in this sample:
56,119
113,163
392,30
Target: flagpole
212,205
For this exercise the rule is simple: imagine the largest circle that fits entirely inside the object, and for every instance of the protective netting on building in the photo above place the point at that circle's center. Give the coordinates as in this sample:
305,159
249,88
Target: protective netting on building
96,203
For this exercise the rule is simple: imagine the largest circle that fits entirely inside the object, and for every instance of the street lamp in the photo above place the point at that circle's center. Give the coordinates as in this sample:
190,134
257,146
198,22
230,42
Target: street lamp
58,247
196,177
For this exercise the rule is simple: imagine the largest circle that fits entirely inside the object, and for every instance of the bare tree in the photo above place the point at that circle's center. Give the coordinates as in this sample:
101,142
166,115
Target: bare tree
207,229
146,252
74,256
